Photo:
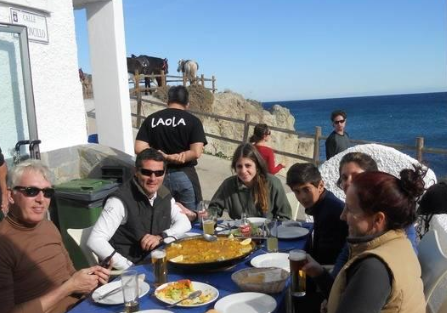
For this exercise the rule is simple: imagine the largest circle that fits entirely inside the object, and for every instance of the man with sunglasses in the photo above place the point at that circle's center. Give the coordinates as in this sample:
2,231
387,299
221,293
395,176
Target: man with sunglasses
137,217
338,140
36,273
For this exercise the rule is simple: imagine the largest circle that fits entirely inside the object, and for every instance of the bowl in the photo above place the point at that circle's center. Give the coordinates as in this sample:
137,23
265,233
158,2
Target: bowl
265,280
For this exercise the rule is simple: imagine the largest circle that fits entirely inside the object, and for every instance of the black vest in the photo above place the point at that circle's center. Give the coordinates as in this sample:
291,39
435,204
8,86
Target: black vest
142,218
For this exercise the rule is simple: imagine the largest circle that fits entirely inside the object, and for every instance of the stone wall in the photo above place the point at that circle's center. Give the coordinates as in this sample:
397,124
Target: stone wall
85,161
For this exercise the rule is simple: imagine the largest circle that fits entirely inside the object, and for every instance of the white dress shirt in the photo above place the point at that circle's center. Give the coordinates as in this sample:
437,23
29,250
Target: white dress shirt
113,215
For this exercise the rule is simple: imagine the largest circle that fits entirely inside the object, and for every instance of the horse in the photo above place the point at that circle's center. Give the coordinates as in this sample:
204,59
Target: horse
148,66
190,68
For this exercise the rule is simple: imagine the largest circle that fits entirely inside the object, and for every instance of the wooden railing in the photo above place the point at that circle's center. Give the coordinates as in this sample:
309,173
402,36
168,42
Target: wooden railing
317,137
164,79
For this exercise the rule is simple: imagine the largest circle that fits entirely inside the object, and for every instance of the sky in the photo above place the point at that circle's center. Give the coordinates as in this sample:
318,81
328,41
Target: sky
278,50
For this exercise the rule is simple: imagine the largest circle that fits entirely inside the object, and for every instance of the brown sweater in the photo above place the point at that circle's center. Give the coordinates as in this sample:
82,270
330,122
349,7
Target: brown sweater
33,261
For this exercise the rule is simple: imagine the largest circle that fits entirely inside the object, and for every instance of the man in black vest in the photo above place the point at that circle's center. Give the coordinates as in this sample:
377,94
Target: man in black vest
137,217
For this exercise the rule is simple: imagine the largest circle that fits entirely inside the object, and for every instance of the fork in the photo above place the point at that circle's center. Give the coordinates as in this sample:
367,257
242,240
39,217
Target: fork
191,296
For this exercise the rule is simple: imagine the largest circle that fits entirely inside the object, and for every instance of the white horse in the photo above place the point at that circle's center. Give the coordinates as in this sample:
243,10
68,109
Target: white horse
190,68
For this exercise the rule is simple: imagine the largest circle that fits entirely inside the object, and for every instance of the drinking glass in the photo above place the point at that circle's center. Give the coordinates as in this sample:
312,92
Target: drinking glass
271,232
208,222
129,283
201,210
159,262
297,259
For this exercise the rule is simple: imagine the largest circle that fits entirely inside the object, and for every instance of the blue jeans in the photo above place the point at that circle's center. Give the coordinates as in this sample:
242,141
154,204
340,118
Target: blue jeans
181,188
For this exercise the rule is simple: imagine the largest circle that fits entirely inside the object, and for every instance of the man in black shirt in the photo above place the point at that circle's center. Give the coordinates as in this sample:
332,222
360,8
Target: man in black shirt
338,140
180,137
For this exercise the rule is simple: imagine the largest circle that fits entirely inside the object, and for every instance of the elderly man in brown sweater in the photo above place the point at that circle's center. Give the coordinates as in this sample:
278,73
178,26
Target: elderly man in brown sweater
36,273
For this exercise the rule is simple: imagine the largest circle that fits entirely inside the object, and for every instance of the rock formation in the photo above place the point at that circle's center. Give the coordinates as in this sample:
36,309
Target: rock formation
233,105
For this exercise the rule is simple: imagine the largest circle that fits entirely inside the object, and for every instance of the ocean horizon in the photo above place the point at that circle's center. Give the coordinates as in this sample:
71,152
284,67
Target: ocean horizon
388,119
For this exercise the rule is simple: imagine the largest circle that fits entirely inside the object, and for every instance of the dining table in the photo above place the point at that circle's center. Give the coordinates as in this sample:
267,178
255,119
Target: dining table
220,279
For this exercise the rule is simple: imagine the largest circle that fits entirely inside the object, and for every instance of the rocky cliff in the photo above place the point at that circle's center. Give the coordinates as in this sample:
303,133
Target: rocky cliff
233,105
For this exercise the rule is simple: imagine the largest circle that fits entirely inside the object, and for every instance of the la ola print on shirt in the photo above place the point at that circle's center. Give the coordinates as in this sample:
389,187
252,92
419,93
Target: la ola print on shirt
167,122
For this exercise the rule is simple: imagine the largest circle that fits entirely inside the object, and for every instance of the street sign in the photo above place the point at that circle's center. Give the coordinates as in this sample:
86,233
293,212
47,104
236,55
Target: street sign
35,23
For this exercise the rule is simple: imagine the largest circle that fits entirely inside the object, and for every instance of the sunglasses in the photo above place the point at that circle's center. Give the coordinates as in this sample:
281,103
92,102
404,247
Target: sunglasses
34,191
149,173
339,122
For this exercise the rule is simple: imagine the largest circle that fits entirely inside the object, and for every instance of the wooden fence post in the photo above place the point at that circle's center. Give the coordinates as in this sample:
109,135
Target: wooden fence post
139,102
419,148
246,127
163,78
202,80
213,82
317,145
184,79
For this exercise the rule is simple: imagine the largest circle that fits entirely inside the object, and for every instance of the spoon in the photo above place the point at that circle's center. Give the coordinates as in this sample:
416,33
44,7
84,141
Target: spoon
191,296
209,238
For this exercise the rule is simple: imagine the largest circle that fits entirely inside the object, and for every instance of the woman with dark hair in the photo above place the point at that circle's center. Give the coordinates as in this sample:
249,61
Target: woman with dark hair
352,164
261,135
383,273
252,190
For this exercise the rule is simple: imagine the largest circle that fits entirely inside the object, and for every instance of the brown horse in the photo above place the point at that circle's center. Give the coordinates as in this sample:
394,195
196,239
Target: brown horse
148,66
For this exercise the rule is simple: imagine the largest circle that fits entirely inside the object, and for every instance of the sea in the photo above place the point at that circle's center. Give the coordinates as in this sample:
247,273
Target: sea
387,119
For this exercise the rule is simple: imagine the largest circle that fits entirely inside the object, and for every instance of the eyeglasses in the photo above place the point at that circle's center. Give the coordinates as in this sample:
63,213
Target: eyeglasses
34,191
149,173
339,122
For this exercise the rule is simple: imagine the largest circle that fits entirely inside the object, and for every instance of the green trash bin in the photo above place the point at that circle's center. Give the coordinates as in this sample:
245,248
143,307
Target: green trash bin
79,204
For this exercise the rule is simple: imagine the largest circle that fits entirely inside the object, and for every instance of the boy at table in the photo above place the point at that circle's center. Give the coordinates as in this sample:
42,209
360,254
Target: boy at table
329,233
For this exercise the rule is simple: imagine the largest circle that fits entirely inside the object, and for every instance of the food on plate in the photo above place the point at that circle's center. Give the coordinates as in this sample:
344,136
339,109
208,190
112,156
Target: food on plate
243,230
246,241
212,311
197,250
178,290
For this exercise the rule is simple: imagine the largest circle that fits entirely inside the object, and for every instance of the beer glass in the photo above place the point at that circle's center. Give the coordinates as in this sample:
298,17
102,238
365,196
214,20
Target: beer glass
271,232
208,224
129,283
159,262
297,259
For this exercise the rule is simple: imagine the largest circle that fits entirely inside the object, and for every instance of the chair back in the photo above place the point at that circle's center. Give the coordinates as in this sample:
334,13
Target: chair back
80,236
434,271
298,211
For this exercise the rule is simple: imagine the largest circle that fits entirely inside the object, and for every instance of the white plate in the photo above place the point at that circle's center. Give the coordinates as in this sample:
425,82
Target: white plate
291,232
170,239
197,286
116,298
257,221
247,302
280,260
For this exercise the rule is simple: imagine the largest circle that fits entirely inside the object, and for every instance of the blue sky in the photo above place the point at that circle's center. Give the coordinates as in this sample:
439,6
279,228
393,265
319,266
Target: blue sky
271,50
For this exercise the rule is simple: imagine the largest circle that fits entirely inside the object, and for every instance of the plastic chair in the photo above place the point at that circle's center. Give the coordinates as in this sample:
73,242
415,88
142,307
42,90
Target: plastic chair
434,271
298,211
80,236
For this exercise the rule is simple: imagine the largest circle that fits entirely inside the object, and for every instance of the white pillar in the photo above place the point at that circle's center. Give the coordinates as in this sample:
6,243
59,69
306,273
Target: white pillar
105,24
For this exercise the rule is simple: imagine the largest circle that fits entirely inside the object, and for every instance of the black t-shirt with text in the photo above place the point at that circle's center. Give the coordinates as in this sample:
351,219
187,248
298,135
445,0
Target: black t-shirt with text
172,131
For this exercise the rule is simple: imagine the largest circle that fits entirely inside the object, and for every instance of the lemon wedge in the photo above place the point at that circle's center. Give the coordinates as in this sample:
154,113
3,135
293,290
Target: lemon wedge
178,258
231,237
246,241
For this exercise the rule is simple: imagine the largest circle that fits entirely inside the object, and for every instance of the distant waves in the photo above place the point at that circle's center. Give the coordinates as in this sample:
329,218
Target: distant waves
389,119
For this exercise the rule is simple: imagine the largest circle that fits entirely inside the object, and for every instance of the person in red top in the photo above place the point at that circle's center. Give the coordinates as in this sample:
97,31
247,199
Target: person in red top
261,135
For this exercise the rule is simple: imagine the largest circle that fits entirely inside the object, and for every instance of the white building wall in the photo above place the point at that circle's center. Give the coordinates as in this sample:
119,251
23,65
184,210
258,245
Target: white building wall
61,119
